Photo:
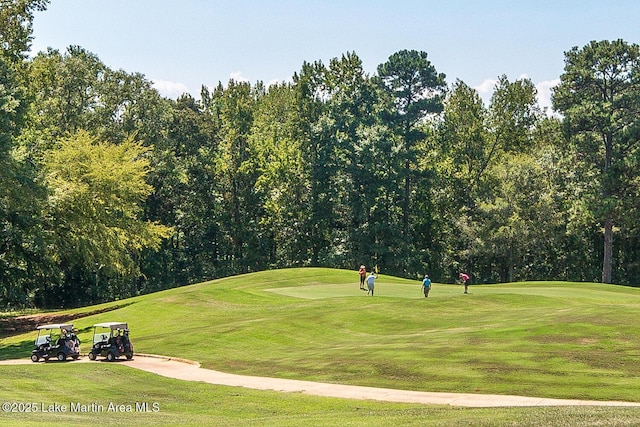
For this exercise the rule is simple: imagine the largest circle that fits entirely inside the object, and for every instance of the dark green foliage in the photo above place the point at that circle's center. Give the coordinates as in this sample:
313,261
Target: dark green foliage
23,242
16,23
414,91
338,168
599,95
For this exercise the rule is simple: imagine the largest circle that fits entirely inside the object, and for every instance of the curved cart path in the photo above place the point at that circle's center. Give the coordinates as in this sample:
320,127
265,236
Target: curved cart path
191,371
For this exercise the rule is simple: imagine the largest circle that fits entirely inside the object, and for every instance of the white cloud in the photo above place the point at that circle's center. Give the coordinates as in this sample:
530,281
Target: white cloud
238,77
544,93
170,89
485,89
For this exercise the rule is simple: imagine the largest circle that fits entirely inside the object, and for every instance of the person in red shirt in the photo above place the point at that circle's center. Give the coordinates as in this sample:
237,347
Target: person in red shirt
465,281
363,274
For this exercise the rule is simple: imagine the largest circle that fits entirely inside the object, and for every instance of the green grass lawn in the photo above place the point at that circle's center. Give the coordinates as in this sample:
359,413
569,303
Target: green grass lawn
558,340
94,387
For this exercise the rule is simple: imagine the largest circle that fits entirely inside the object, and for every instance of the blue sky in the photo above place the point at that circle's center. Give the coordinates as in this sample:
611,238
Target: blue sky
184,44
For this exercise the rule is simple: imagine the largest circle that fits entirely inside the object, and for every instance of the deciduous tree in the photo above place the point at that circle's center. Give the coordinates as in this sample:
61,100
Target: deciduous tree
599,96
95,207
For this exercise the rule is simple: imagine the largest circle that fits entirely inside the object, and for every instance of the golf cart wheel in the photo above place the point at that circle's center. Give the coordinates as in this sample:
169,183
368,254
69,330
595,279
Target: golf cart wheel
75,356
34,358
92,355
129,356
62,357
111,357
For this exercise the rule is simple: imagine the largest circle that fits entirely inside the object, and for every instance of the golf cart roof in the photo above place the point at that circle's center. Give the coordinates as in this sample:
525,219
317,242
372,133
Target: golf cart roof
112,325
68,326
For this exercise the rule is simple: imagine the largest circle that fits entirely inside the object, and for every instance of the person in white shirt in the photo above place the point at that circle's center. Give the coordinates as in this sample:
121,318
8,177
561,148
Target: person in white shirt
370,281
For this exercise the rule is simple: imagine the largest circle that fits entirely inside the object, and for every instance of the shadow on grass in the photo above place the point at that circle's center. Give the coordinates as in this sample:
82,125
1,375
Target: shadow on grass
21,350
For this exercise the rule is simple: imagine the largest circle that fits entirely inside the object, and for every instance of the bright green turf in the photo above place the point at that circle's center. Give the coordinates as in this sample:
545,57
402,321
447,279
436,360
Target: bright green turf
182,403
563,340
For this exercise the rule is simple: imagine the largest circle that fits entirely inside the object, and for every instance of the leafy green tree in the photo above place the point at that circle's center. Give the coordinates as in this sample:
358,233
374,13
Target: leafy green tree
16,27
570,249
349,168
23,262
310,98
66,94
97,191
513,114
415,90
478,146
349,123
460,158
519,223
233,108
282,181
16,20
75,90
463,138
186,197
599,96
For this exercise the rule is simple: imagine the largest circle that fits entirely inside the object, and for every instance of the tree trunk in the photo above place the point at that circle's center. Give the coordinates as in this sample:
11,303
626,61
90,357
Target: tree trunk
405,207
607,259
511,262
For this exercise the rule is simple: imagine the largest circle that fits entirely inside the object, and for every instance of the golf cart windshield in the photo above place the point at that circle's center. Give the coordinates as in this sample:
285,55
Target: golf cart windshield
52,333
103,331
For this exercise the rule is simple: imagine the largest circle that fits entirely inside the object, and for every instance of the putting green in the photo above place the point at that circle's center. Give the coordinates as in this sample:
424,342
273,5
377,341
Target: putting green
413,290
382,289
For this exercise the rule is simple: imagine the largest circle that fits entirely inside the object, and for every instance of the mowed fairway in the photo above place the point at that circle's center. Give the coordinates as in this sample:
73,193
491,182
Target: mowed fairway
557,340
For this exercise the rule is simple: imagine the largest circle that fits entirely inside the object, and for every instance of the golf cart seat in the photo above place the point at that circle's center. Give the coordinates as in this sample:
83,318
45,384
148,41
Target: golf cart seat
117,344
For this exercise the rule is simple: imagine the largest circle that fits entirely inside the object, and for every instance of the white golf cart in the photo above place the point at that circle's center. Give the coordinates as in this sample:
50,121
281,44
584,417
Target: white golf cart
111,340
56,340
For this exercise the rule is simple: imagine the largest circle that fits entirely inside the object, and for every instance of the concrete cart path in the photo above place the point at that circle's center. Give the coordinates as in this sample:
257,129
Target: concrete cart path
191,371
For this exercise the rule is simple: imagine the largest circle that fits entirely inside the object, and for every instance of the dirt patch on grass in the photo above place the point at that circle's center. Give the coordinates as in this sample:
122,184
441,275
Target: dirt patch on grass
20,324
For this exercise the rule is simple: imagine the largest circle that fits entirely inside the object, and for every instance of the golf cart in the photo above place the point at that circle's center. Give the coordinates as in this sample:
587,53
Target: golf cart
111,340
57,340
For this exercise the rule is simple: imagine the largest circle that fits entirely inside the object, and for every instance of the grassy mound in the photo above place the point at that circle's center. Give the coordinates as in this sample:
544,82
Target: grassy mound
559,340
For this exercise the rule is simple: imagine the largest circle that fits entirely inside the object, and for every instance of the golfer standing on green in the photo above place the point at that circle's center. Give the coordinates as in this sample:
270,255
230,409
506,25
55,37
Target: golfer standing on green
363,275
426,285
370,281
464,278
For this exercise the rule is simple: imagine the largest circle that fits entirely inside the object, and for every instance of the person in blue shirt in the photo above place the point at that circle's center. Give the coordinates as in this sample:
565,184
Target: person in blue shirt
426,285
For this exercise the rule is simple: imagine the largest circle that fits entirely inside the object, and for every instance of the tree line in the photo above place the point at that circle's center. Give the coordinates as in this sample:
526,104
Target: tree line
110,190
